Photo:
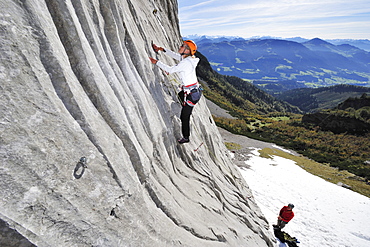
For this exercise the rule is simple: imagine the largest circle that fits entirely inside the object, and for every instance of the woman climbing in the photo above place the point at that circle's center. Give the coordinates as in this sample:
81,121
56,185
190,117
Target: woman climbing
190,93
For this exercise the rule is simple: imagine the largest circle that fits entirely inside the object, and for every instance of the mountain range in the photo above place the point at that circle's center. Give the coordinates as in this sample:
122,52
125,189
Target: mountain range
223,89
363,44
312,63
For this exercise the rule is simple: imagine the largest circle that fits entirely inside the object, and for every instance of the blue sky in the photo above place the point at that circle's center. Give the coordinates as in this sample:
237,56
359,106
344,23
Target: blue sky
326,19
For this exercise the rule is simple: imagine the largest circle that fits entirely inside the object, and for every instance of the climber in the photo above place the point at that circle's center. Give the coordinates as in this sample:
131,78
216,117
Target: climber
285,215
190,91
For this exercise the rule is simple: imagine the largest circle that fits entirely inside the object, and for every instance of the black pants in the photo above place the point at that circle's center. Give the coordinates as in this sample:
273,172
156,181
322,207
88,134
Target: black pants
185,116
281,223
185,120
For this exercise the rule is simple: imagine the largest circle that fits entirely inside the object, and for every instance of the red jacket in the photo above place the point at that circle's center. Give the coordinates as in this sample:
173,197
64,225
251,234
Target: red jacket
286,214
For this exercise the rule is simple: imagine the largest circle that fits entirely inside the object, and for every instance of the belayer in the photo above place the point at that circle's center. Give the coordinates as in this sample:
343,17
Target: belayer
190,92
285,215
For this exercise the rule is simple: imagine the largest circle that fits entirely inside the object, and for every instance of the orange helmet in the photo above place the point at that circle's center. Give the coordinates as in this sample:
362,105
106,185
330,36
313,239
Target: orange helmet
192,46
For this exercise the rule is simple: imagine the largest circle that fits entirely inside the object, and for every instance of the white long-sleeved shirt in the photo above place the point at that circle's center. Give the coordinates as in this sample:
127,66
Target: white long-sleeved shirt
185,68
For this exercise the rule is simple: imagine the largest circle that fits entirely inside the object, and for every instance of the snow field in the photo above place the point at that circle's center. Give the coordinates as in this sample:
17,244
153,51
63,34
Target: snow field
325,214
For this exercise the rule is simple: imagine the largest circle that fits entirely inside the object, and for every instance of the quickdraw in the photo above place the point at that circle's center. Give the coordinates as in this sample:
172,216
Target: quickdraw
198,147
80,164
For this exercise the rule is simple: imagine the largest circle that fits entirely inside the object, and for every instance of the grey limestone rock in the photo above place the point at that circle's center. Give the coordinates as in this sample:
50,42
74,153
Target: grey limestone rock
76,82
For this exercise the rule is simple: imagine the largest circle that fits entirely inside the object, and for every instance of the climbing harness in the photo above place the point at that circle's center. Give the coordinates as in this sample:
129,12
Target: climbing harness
192,94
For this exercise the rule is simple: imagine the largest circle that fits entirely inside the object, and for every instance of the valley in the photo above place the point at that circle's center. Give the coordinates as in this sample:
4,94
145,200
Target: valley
273,62
260,116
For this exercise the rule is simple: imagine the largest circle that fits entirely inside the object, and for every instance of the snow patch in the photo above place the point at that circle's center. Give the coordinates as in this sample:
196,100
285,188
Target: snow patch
282,149
325,214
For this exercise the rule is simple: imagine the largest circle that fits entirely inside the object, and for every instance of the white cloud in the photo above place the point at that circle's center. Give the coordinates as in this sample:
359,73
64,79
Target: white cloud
235,17
197,5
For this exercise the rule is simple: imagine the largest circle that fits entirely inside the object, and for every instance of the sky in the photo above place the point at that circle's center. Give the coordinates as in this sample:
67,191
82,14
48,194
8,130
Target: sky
326,214
325,19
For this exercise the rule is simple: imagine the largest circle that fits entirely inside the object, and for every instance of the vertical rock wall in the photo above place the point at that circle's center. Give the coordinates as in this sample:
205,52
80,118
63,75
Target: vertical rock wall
76,82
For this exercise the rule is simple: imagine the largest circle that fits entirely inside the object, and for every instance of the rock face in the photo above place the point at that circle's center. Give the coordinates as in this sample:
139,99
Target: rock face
76,82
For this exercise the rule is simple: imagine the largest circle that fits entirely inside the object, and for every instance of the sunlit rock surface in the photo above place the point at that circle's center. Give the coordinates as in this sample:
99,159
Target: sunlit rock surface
76,82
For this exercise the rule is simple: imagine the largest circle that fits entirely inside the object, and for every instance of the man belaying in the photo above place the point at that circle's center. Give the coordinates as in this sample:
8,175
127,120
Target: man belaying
190,92
285,215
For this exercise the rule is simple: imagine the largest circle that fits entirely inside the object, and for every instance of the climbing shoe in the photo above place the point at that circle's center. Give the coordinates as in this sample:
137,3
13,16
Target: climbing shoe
276,227
183,140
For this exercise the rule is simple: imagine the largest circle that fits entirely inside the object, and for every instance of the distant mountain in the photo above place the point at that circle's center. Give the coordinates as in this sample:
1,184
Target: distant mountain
363,44
317,44
205,39
314,99
244,95
314,63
